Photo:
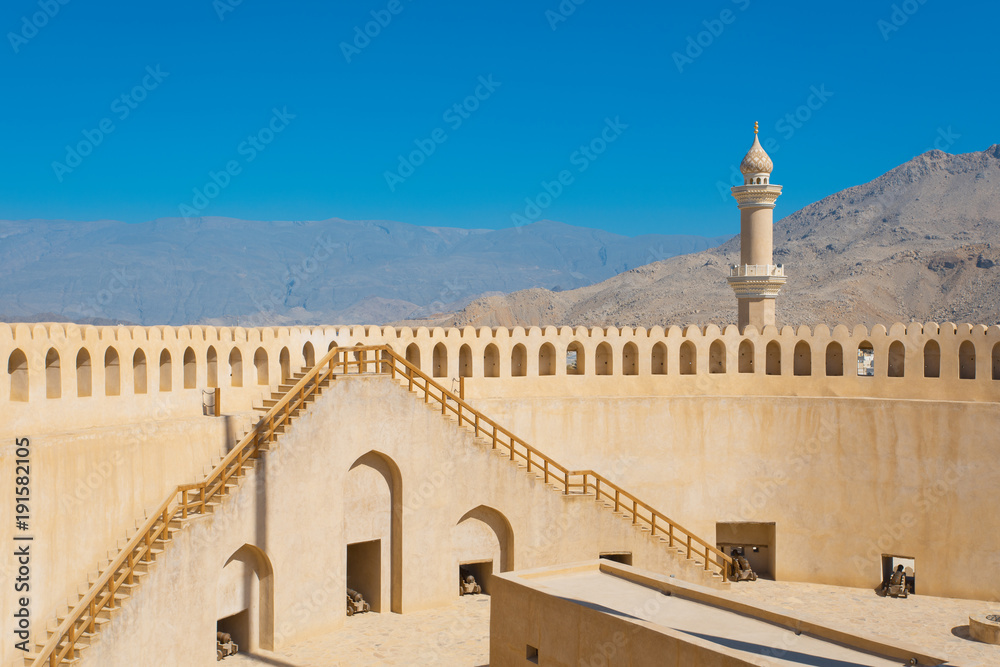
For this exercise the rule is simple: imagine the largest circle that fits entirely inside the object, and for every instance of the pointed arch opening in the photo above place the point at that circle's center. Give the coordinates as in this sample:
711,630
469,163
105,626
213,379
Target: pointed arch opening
897,360
772,358
717,357
53,374
17,370
139,373
802,363
439,361
746,357
112,373
547,359
576,359
658,360
166,371
604,361
932,359
996,361
235,368
491,361
834,360
967,361
688,358
518,361
245,599
866,359
84,374
261,367
212,366
285,363
482,543
309,355
373,530
413,355
630,359
465,362
190,369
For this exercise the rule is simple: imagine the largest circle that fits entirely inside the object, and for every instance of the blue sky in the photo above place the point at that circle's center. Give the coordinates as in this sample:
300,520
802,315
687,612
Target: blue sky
258,110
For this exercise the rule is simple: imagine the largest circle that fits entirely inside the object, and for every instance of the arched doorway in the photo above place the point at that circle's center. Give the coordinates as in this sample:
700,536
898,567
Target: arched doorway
373,531
483,543
309,355
245,599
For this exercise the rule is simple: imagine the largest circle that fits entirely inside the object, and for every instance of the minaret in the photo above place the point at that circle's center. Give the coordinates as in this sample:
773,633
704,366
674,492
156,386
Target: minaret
756,279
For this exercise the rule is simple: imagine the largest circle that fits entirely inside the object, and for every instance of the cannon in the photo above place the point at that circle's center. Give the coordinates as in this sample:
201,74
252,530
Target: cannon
224,645
741,567
356,603
467,584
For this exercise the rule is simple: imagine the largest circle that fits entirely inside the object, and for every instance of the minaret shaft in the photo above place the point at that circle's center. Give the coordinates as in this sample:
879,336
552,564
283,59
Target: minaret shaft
756,280
756,236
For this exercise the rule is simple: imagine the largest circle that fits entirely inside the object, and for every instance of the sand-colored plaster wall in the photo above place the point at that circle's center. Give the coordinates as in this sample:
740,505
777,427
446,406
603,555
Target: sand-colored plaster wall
88,488
293,507
845,480
927,361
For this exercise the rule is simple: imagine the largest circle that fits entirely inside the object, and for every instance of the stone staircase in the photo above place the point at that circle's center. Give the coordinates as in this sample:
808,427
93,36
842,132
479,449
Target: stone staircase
695,569
159,546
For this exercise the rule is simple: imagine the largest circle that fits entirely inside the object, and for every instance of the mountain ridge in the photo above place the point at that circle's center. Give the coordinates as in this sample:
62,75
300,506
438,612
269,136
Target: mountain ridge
916,243
227,271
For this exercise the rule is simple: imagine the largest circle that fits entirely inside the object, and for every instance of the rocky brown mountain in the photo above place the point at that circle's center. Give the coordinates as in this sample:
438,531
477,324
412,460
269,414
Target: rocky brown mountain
921,242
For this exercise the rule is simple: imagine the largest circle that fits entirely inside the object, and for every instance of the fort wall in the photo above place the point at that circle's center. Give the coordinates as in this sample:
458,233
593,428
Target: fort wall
65,376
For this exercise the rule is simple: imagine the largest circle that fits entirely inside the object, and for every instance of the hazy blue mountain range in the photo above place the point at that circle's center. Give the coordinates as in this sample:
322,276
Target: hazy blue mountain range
227,271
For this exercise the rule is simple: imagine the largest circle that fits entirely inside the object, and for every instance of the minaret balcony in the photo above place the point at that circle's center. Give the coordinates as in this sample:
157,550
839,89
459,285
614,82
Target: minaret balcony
756,270
756,281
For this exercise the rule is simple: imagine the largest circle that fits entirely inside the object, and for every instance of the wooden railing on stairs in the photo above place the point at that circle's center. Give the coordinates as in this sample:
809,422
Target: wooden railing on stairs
189,499
569,481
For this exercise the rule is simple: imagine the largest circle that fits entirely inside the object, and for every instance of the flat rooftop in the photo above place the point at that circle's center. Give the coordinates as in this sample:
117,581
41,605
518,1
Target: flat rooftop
750,636
701,617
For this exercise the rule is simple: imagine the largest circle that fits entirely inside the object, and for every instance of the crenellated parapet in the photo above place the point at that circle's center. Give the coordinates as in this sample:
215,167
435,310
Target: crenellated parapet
85,364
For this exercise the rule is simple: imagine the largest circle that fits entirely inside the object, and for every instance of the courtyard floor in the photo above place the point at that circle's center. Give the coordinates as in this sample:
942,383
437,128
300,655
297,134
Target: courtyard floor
459,633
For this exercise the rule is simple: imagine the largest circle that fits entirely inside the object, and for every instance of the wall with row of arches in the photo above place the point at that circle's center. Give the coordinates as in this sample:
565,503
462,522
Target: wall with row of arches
54,361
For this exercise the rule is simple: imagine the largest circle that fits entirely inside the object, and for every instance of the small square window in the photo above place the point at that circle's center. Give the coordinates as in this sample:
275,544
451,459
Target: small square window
531,654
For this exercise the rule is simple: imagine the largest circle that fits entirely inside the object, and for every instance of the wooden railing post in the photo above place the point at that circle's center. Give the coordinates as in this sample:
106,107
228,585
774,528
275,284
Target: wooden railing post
566,487
689,546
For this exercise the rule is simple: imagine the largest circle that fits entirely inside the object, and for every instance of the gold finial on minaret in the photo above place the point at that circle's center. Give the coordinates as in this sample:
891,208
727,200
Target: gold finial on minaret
755,127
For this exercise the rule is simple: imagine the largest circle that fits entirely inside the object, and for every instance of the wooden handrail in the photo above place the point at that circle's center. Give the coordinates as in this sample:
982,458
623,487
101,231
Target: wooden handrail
532,456
386,361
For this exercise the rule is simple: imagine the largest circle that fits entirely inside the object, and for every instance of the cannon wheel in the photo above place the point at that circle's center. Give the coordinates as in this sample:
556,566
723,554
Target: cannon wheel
219,655
350,611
